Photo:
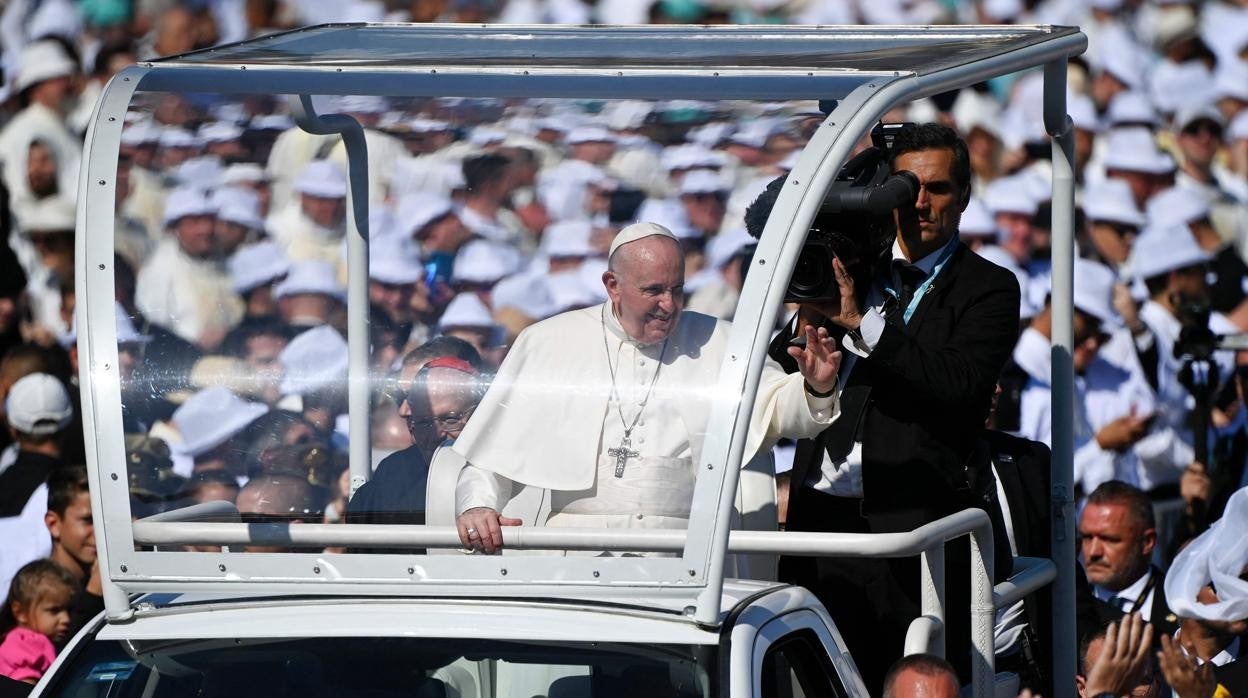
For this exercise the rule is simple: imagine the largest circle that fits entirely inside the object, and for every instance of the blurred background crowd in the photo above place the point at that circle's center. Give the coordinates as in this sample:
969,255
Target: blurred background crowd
489,215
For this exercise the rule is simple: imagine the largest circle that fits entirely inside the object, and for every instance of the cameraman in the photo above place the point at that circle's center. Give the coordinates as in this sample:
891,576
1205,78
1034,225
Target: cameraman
927,331
1175,269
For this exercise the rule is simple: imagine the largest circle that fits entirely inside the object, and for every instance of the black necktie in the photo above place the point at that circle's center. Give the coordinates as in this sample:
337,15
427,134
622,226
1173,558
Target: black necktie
908,278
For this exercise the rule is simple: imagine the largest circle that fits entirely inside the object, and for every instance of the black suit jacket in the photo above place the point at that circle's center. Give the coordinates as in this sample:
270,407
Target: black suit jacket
931,383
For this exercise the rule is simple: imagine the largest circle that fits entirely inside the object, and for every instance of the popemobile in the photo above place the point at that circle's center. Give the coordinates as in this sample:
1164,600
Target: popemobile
204,601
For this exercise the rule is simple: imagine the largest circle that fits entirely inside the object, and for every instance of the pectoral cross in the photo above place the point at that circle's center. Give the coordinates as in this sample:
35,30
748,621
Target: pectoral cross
621,455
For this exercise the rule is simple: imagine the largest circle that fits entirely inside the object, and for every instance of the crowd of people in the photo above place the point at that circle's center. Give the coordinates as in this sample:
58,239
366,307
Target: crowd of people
489,216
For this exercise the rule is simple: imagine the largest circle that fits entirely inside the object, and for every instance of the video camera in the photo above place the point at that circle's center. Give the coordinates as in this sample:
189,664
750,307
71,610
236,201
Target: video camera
855,222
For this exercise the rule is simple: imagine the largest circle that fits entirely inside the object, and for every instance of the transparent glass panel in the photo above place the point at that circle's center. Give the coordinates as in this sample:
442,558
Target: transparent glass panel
579,393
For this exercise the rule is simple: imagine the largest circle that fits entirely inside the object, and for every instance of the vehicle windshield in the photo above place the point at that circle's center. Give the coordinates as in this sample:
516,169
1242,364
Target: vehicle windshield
377,667
493,334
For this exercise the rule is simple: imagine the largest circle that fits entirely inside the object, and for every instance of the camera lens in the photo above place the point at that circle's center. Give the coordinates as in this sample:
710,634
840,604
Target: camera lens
812,275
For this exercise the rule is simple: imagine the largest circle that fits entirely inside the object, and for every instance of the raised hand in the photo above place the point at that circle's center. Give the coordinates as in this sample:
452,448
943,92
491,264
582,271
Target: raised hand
1123,657
1188,677
818,361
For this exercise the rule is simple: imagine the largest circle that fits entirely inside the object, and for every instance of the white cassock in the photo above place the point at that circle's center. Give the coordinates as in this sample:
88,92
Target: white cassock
189,296
302,239
548,420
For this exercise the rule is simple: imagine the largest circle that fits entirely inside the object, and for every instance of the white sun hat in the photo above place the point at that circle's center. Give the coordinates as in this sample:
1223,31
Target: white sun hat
256,264
213,416
313,361
1111,200
324,179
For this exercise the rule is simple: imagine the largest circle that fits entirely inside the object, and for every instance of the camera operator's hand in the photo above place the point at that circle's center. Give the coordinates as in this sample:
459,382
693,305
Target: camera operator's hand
847,313
1123,432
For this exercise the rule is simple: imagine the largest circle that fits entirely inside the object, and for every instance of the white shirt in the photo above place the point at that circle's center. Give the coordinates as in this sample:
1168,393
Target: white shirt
844,478
189,296
1130,596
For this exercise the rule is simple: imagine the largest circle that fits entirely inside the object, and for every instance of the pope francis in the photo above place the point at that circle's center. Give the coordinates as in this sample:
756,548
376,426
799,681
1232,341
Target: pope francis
606,407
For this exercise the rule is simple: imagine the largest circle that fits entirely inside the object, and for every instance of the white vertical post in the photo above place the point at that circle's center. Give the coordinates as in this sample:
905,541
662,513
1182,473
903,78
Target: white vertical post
360,447
932,581
1059,127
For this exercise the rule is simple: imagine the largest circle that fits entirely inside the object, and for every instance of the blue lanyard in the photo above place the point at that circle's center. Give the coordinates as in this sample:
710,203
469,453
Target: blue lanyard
945,253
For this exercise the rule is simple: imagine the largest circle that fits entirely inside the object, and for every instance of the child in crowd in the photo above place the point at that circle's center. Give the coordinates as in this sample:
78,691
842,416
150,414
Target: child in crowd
35,615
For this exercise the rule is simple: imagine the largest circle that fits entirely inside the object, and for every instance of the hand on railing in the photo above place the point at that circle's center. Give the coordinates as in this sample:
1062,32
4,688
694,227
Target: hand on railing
1188,677
1120,666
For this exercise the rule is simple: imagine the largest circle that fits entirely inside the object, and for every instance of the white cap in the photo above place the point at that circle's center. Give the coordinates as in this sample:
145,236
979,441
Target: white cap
271,122
204,172
974,110
486,135
38,404
419,209
754,134
482,261
568,238
1131,108
422,125
1196,111
322,178
141,132
690,156
59,18
637,231
41,61
174,137
1177,205
1238,129
313,360
255,265
1002,10
1111,200
1094,291
394,260
213,416
1174,86
976,221
711,134
1009,195
240,206
1231,80
361,104
312,276
669,214
703,182
1082,111
219,132
187,201
589,134
1173,23
1134,150
723,247
1216,557
466,310
48,215
527,293
567,291
1122,58
243,173
1161,249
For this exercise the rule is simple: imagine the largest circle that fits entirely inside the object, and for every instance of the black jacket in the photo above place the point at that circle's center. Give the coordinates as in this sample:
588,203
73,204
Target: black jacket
931,382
